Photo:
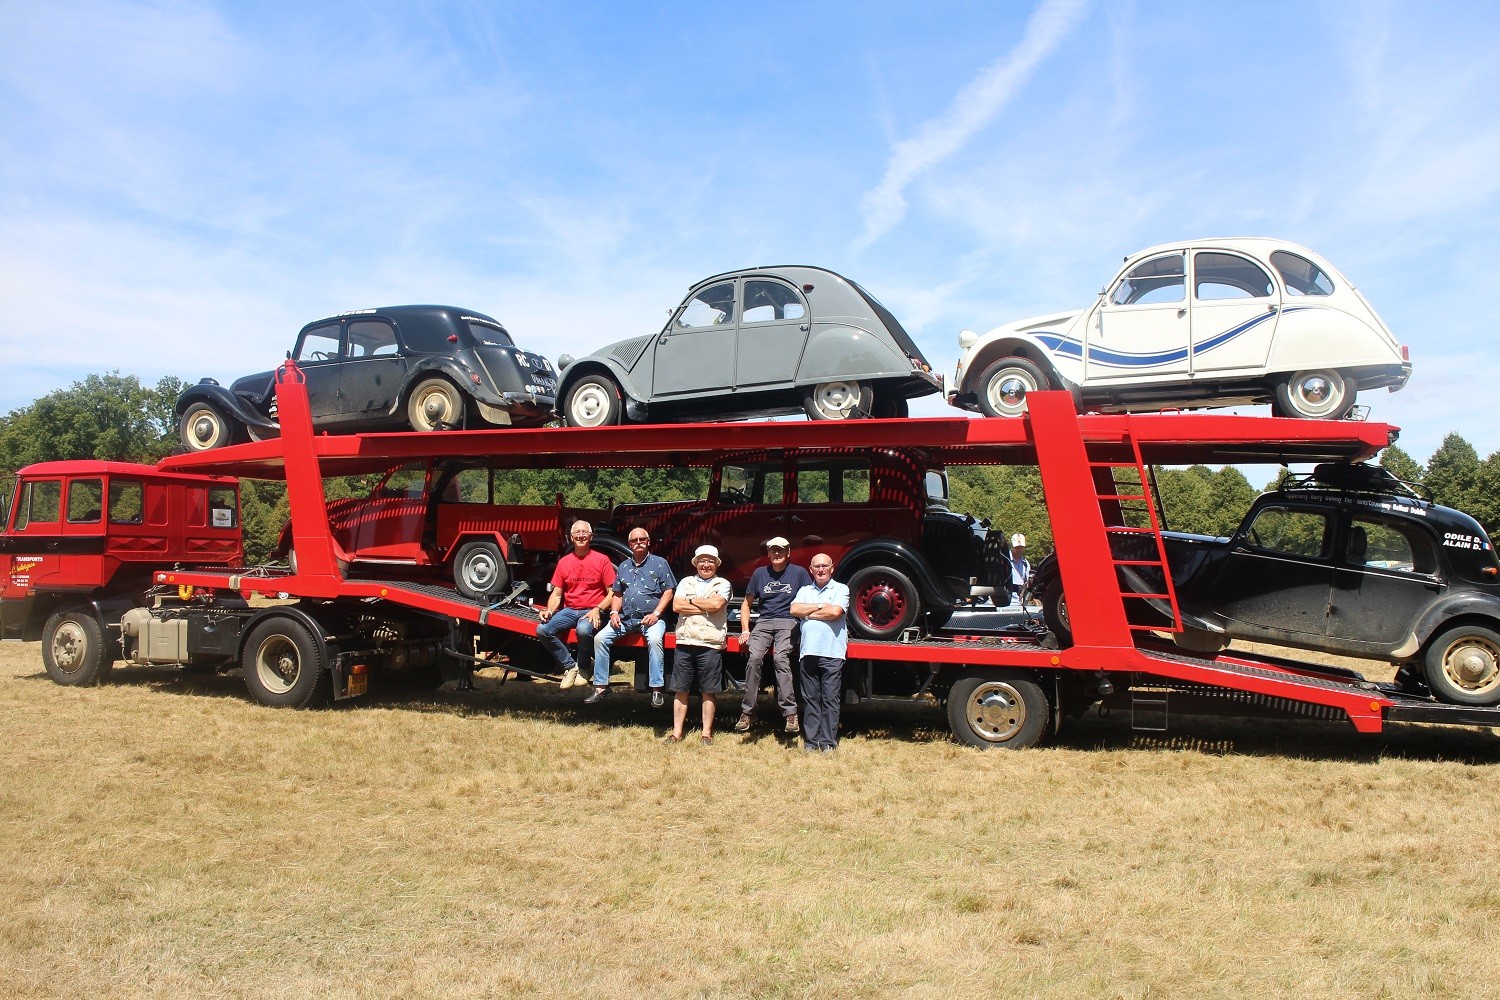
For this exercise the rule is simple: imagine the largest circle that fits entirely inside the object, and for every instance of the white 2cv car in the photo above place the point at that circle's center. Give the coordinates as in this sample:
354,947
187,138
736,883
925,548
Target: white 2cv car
1202,323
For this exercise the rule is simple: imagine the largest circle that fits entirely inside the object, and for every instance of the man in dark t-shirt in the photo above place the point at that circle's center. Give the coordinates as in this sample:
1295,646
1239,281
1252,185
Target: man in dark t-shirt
774,586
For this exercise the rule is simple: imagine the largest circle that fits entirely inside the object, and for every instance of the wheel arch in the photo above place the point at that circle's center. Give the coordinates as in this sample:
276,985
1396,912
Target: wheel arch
290,612
888,552
233,406
1436,620
598,366
1016,345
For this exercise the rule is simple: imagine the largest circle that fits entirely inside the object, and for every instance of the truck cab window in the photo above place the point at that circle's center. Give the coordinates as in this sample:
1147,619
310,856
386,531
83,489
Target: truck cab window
40,503
85,501
127,502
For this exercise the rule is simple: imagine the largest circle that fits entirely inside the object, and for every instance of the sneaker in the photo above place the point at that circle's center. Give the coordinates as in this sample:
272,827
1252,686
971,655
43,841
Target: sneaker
793,727
599,695
570,677
743,725
657,701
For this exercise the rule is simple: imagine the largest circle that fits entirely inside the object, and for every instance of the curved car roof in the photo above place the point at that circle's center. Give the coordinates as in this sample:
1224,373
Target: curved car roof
830,294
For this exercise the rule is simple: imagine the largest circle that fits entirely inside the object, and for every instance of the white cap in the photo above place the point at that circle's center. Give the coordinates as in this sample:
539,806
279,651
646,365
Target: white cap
777,543
707,550
1018,539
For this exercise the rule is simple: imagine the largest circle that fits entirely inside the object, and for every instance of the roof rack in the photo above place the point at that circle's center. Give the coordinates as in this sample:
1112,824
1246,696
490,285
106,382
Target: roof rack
1355,478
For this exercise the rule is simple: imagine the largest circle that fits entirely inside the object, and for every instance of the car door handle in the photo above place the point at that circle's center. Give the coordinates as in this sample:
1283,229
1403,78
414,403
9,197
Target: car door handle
1182,312
804,328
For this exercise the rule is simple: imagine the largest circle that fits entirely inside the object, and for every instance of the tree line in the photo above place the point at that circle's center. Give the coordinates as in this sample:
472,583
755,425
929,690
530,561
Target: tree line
115,417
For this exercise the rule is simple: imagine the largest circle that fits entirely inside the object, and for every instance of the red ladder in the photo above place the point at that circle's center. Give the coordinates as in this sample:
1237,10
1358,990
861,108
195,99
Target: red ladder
1114,496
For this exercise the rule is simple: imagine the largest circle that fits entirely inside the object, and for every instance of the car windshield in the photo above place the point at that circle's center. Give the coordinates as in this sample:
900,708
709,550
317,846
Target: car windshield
489,336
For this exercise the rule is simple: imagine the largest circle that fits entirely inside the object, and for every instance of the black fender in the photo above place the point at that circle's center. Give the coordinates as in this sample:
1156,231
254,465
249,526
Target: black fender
635,407
454,371
316,628
1479,608
233,406
888,552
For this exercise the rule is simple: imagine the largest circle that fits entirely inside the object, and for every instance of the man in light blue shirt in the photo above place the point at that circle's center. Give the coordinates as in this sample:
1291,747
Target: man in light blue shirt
821,607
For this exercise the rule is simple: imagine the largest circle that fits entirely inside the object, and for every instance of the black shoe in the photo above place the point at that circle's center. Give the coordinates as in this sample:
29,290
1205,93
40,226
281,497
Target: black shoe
657,701
599,695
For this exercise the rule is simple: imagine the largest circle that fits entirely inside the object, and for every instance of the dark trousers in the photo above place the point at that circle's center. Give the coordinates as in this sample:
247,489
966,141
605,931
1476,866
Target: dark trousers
772,636
822,694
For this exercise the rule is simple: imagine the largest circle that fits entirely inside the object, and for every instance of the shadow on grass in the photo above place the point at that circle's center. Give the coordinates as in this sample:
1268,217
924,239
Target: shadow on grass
915,722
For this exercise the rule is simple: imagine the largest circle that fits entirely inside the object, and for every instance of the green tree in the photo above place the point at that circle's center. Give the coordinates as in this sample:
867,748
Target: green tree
112,417
1401,465
1453,474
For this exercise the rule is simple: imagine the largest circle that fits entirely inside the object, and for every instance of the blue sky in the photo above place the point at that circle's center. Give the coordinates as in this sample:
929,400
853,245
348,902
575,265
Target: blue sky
184,184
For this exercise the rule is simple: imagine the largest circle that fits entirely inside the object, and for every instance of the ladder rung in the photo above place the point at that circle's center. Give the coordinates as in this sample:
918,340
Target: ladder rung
1124,529
1142,597
1156,628
1138,562
1121,496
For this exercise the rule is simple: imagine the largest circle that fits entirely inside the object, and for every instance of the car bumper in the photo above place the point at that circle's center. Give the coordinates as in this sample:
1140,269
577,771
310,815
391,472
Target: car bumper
1393,377
520,409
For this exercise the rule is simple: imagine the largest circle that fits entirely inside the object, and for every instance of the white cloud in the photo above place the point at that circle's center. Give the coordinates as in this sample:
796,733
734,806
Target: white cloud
973,108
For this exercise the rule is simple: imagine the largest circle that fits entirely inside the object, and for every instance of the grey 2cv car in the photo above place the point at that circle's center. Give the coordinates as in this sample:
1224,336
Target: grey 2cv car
757,342
423,367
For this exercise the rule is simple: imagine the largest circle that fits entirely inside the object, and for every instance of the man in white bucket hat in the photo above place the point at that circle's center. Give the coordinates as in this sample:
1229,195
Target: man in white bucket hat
702,605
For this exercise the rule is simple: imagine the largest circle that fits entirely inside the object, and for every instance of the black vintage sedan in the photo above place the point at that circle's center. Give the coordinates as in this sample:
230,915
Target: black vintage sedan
423,367
760,342
1347,560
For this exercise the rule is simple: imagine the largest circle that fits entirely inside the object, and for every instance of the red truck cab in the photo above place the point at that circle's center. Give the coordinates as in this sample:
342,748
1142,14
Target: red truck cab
85,536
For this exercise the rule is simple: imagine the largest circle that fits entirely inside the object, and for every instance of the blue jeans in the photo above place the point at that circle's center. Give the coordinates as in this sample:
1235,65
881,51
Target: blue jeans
559,624
656,656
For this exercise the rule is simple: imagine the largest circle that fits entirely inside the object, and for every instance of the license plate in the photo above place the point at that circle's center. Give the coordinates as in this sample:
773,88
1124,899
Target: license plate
358,684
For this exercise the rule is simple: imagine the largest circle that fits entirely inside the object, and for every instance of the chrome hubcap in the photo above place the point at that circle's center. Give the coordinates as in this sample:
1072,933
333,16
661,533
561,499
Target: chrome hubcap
996,712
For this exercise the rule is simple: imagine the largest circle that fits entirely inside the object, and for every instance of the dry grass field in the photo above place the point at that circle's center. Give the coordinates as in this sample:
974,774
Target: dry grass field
161,836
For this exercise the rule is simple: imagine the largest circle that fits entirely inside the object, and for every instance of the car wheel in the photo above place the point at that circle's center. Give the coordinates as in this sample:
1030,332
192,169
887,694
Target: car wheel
838,401
73,649
1055,614
998,709
479,569
1463,665
283,667
594,401
889,406
435,405
203,426
1315,395
883,602
1004,385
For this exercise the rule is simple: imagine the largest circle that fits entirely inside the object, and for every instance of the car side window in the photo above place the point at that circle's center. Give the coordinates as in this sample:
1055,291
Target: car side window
1290,532
85,501
1160,279
1229,276
758,483
371,338
468,486
714,306
768,301
1301,275
825,482
1383,545
321,343
410,480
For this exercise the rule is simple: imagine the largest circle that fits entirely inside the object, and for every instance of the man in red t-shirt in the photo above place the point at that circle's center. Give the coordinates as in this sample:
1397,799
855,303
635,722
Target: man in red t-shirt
580,597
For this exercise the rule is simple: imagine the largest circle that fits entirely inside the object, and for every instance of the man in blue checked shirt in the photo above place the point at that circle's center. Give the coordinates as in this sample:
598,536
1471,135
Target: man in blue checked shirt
642,593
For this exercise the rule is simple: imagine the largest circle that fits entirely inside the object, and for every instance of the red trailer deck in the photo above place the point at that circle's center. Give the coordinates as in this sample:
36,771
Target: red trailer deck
1000,691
